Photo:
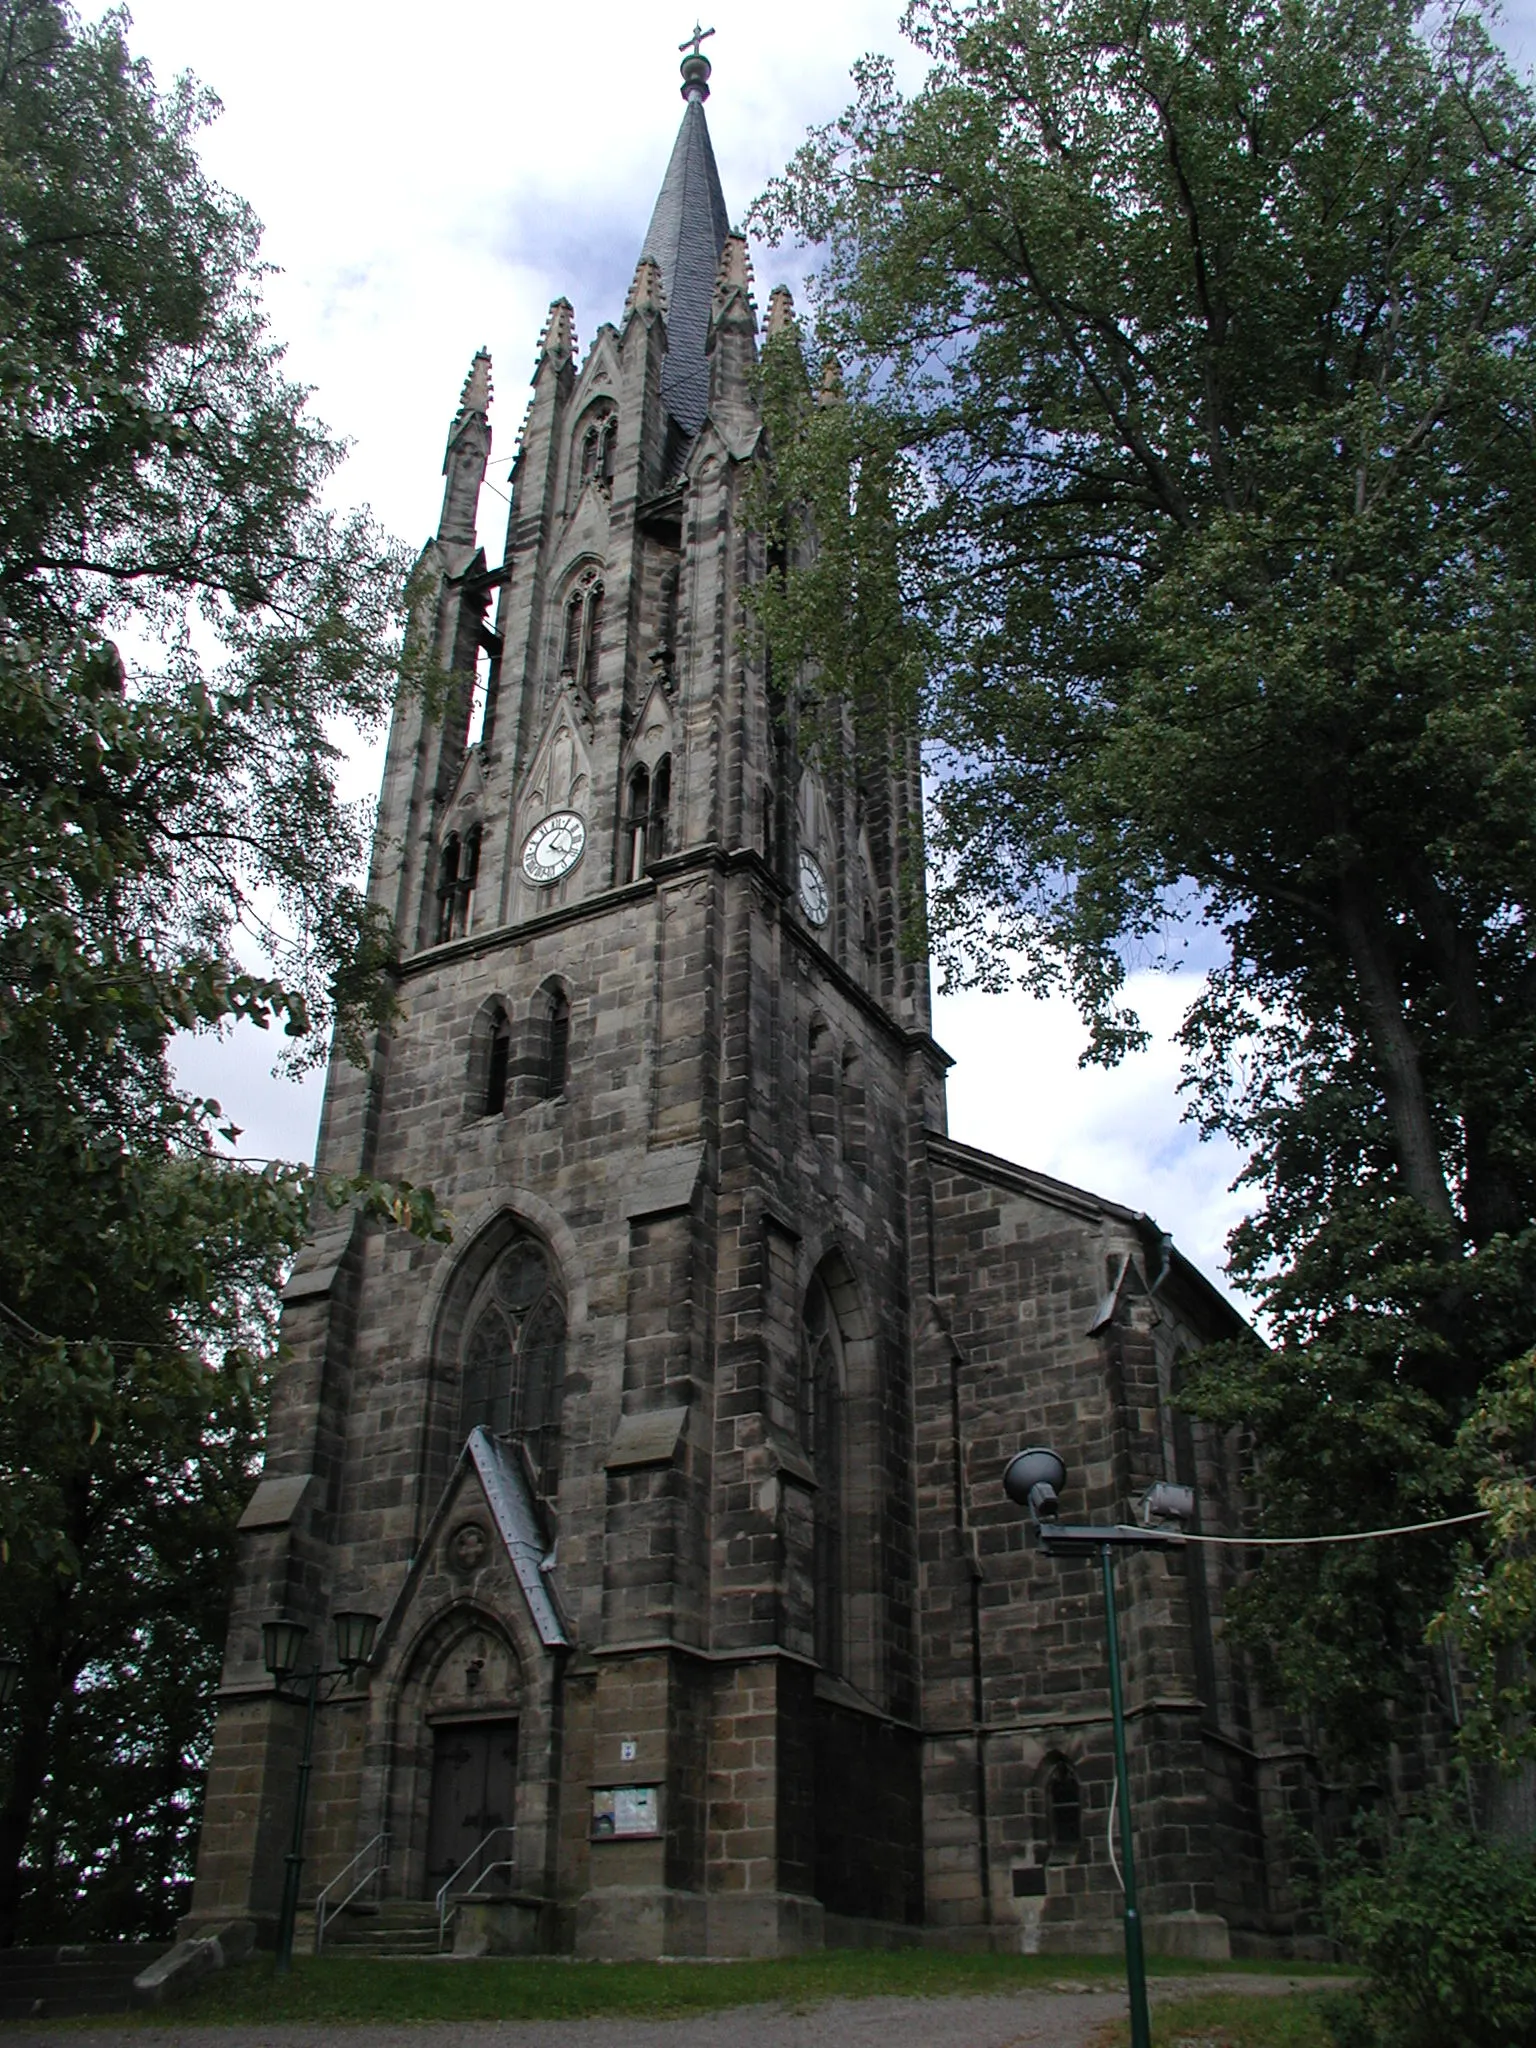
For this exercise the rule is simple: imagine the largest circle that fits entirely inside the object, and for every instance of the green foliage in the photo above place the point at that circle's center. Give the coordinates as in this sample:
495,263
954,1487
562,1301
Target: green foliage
1442,1923
1491,1614
1207,334
184,628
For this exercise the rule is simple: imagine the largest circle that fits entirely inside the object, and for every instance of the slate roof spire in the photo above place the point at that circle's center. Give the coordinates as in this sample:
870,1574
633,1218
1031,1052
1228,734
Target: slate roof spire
686,235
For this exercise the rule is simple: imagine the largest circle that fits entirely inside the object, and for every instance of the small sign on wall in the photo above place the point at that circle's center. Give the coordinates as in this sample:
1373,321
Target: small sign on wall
625,1811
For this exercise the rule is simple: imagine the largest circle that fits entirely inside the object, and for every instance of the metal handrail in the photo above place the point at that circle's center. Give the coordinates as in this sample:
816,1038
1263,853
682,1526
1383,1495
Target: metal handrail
501,1863
379,1862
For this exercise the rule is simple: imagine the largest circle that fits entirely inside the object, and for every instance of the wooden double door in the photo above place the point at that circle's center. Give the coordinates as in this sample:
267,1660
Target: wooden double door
474,1789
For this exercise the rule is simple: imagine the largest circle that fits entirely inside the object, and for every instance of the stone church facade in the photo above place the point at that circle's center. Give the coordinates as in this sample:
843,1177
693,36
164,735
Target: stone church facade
675,1477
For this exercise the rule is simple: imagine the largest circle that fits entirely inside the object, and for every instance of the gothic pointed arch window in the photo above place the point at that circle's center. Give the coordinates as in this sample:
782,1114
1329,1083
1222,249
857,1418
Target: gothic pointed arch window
447,887
589,452
513,1361
498,1063
661,804
637,819
570,651
822,1384
555,1032
592,638
608,450
1063,1809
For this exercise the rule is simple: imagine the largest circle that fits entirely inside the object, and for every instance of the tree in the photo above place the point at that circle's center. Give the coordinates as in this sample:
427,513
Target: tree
183,628
1208,330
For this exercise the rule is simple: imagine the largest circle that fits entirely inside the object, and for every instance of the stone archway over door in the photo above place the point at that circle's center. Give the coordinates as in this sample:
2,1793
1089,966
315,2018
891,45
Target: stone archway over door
474,1789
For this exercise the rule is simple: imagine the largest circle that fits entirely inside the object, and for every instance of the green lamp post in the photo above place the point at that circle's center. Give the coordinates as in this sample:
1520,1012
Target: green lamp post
282,1644
1031,1480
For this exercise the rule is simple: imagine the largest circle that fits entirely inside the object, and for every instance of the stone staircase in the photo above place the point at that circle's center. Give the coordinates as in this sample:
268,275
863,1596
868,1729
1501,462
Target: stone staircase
71,1978
388,1927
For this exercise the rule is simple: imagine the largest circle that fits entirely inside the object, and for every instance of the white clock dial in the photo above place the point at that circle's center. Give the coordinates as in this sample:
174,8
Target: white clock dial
814,900
554,846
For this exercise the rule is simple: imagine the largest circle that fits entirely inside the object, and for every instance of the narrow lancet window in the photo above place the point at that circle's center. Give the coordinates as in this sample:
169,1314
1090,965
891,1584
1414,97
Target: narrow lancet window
557,1041
661,803
498,1064
447,888
636,822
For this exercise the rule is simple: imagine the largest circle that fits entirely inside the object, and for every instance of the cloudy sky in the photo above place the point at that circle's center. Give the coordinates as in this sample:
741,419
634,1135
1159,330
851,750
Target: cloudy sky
429,179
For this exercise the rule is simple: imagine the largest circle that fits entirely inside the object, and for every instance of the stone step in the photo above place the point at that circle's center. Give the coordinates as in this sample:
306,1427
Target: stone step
385,1927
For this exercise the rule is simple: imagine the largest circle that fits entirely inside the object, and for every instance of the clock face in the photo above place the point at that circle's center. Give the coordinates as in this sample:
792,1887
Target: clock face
814,900
554,846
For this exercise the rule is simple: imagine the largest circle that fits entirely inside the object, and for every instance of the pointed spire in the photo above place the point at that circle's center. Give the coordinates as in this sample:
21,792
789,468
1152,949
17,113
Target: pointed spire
733,285
687,232
648,290
468,451
476,395
781,312
558,344
831,392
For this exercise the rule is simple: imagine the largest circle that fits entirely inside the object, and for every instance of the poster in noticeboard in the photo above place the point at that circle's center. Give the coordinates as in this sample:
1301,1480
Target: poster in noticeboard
625,1810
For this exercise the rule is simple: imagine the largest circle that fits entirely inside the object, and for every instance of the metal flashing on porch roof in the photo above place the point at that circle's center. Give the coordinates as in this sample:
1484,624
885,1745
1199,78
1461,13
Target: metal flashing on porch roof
507,1496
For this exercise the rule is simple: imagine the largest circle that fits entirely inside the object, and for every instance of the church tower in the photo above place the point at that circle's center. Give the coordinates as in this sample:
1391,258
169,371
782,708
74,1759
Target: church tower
704,1626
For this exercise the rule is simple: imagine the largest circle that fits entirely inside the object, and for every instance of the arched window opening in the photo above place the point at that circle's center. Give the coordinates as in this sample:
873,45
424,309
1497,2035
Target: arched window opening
570,654
514,1359
589,453
661,803
498,1063
609,451
464,892
592,645
1063,1809
447,887
637,820
557,1042
821,1432
823,1078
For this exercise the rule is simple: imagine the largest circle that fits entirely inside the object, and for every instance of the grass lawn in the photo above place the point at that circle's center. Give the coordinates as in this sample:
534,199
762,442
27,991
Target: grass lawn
1225,2020
336,1988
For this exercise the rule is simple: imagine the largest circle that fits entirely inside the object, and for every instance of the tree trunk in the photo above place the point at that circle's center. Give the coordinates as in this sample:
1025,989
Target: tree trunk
37,1702
1415,1139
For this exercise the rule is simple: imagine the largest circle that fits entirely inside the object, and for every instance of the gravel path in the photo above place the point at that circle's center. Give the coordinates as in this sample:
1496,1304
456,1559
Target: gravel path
1067,2017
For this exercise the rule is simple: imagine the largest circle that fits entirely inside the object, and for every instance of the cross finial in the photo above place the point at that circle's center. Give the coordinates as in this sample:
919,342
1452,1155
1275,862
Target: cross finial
695,65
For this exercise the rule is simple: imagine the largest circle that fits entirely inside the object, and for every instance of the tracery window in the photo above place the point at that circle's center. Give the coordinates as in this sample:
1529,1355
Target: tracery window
821,1432
514,1359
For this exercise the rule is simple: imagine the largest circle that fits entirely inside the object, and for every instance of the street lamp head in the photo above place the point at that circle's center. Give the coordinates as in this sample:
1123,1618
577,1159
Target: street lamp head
1166,1502
10,1678
282,1643
354,1638
1031,1480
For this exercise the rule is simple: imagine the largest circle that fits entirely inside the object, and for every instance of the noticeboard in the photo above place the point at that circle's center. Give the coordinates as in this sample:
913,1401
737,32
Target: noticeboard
623,1812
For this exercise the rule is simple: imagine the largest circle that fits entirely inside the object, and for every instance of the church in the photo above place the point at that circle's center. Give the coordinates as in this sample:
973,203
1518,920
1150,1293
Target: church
674,1480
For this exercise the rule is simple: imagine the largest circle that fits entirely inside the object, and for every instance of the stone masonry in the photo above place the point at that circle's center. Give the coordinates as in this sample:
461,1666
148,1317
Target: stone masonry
674,1479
